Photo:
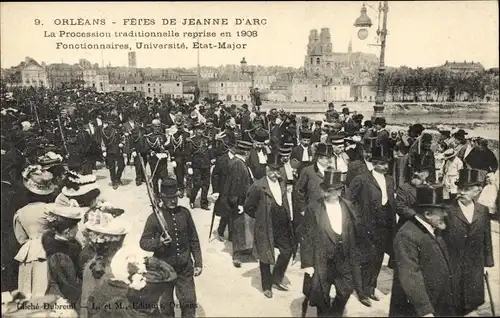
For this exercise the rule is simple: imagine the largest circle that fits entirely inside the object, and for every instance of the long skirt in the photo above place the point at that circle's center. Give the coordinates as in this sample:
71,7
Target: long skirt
33,278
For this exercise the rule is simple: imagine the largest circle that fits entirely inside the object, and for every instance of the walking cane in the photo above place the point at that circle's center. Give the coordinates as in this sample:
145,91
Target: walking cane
492,305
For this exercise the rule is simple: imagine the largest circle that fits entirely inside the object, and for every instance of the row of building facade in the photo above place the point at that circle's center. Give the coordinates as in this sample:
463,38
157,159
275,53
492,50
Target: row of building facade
170,83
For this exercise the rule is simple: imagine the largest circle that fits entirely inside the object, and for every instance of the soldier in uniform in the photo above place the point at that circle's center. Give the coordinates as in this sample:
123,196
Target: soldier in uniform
113,150
138,147
199,161
156,141
179,151
179,251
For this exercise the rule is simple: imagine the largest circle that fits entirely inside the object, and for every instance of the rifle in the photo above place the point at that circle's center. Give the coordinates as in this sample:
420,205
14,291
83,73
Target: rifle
492,305
62,134
155,205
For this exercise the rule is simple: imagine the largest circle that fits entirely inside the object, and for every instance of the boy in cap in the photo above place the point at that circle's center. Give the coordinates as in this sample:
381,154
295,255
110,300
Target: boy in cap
179,252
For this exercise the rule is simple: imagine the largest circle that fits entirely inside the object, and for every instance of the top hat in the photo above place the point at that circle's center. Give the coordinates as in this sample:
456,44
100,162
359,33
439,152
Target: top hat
332,179
168,188
323,149
379,154
471,177
305,134
260,135
430,196
274,161
242,145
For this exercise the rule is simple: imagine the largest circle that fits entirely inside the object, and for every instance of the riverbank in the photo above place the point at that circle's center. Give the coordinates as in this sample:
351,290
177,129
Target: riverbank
448,107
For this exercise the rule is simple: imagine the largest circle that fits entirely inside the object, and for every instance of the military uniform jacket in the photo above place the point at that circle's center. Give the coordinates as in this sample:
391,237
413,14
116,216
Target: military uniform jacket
112,139
179,145
185,243
138,141
156,141
200,152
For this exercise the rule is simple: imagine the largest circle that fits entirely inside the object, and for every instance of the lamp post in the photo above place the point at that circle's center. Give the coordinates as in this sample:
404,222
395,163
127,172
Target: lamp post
363,22
244,70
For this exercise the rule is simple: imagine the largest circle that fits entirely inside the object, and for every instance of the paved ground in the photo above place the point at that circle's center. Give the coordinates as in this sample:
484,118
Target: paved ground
223,290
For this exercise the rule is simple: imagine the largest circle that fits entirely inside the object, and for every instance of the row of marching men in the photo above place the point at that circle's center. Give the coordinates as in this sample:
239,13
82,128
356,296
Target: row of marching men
346,215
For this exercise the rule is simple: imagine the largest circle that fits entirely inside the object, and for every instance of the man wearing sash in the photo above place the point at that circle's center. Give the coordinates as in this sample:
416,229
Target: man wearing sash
267,202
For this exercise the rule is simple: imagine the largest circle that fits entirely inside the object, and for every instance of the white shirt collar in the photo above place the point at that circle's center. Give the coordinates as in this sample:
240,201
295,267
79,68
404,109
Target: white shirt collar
427,226
320,168
467,210
369,165
230,154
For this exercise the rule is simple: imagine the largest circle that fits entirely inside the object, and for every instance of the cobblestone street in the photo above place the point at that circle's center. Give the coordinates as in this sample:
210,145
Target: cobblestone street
223,290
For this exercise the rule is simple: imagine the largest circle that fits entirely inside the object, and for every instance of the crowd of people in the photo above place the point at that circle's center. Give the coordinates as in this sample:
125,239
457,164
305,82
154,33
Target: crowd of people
338,194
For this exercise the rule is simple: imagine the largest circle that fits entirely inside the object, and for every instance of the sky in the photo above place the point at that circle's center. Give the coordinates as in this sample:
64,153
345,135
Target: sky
420,33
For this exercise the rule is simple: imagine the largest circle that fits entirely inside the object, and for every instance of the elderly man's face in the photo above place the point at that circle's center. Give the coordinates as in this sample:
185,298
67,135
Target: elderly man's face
338,149
436,217
332,195
272,173
467,194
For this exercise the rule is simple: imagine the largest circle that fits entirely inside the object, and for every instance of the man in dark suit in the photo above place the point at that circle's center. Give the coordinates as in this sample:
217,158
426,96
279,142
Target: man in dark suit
267,202
307,186
303,153
333,255
421,155
422,283
468,239
219,176
258,155
239,178
373,194
358,167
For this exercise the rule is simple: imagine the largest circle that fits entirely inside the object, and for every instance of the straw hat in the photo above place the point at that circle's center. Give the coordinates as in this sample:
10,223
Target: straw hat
77,184
74,213
38,181
449,153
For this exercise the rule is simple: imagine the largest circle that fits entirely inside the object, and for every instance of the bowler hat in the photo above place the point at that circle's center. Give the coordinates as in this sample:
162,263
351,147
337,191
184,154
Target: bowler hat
346,111
471,177
460,133
430,196
332,180
168,188
324,150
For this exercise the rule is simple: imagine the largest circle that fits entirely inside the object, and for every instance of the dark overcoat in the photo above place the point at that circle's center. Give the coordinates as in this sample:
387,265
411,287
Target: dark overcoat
258,205
355,168
297,153
470,249
422,278
258,169
233,194
219,175
316,249
376,230
307,186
